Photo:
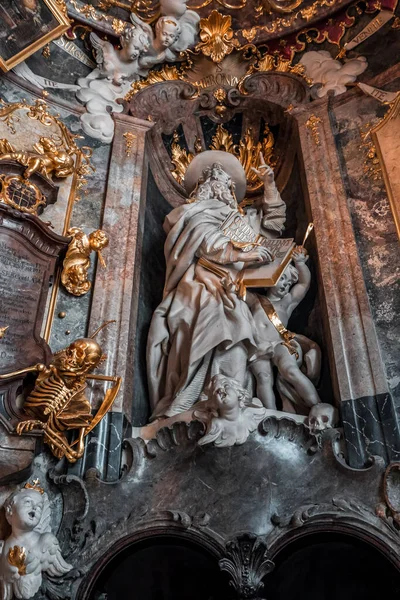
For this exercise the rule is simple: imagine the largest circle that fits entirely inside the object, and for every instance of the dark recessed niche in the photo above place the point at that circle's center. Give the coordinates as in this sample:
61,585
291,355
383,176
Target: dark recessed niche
162,568
330,566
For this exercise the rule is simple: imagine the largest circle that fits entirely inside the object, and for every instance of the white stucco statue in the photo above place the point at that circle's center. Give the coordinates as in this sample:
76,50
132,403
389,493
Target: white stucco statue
331,73
228,412
111,80
175,31
203,327
31,549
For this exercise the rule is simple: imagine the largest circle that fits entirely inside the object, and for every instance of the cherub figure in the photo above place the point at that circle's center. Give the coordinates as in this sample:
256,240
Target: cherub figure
48,160
228,411
118,66
31,549
175,32
283,349
76,263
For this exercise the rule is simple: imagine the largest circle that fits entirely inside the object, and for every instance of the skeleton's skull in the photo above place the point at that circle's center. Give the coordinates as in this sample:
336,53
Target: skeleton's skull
322,416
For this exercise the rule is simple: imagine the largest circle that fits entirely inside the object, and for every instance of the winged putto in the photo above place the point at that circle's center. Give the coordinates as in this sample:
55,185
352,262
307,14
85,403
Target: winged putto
31,549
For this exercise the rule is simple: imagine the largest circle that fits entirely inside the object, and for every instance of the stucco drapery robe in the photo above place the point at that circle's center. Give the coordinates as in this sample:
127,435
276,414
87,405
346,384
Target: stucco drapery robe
193,330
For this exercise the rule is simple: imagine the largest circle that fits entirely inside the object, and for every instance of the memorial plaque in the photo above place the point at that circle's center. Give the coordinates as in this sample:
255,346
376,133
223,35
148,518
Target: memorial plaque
29,251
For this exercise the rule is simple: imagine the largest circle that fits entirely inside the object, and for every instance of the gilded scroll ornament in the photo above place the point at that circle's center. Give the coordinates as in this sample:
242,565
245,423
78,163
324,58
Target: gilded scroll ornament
180,159
16,557
372,166
312,125
129,137
74,275
58,405
216,35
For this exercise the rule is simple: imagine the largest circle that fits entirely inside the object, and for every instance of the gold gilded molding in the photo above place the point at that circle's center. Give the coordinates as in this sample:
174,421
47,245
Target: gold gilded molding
57,405
216,35
129,137
58,10
372,167
247,151
180,158
167,73
74,275
312,125
387,132
3,331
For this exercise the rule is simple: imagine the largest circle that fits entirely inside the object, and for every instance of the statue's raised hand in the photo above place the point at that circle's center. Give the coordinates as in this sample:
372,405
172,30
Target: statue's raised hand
264,171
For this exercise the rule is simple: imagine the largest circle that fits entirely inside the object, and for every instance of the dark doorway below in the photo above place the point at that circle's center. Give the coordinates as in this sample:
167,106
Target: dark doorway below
329,566
162,568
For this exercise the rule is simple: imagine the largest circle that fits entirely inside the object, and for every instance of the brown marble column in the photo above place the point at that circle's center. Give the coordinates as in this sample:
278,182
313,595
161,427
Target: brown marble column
115,293
356,363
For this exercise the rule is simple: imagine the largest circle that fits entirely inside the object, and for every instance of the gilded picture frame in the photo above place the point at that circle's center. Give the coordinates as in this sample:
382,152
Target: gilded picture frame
28,25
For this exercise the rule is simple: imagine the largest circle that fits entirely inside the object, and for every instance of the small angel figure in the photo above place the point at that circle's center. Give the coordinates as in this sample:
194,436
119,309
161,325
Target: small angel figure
175,32
122,65
48,159
74,275
228,411
285,350
31,549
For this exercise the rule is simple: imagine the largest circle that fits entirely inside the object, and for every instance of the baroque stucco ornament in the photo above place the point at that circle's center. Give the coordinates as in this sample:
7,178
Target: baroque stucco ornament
141,49
31,549
330,74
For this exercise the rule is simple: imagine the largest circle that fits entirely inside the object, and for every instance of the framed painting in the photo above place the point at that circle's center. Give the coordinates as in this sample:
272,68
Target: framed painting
28,25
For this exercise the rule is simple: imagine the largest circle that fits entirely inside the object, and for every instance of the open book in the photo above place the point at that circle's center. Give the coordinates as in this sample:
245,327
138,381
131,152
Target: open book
243,236
267,275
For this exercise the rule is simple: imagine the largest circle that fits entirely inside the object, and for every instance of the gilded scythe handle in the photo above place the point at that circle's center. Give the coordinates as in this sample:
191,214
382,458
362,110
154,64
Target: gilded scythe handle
107,402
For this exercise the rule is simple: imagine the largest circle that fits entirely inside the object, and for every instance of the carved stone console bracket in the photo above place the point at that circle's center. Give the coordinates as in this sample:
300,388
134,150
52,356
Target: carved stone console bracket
246,563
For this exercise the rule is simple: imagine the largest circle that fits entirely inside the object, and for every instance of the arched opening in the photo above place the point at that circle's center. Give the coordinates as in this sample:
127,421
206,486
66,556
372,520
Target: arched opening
331,566
162,568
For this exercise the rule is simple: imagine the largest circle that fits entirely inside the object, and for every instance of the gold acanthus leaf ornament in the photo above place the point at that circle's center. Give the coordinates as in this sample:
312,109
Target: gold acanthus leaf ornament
216,35
247,151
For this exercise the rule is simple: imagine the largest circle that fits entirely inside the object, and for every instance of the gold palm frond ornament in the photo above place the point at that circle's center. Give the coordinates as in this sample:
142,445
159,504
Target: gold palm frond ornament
247,151
216,35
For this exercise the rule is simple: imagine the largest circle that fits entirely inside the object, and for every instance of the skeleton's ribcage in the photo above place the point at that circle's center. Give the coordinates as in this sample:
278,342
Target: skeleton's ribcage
50,396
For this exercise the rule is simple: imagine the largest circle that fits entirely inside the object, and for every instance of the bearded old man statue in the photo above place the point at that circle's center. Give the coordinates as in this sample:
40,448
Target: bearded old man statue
203,326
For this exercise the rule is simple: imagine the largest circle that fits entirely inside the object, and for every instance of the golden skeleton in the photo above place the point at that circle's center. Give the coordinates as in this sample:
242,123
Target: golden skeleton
58,404
48,158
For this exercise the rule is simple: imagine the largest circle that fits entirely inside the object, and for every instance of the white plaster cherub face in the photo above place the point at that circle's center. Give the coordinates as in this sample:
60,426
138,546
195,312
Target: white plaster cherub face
285,282
25,511
224,392
168,32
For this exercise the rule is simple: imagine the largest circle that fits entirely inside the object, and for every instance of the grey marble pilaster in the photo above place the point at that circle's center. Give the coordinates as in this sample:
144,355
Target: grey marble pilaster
356,362
115,288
